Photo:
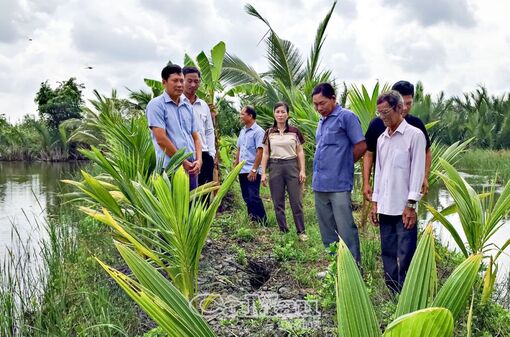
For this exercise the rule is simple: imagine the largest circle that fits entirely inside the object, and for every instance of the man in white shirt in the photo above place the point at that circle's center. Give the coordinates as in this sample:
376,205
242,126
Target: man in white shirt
203,121
399,173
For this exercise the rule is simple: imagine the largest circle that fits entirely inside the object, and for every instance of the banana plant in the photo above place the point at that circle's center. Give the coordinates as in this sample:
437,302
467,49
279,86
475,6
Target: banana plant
419,312
210,70
288,78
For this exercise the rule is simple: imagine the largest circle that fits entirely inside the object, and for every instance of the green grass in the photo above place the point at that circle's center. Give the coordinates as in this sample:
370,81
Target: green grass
80,300
486,162
67,294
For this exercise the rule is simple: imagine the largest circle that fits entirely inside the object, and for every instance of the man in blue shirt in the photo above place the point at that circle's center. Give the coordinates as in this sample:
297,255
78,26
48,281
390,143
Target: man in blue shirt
339,144
173,125
249,149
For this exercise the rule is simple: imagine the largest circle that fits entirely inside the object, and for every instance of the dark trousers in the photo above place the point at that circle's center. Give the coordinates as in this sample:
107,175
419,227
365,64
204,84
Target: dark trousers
284,176
251,195
397,249
206,172
193,181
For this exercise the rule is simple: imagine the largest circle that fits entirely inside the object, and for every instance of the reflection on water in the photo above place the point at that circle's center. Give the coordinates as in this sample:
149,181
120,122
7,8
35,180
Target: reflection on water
440,198
28,194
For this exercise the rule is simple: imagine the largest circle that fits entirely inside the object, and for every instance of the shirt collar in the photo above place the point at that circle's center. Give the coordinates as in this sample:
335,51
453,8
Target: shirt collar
167,99
274,129
400,129
335,112
186,99
251,127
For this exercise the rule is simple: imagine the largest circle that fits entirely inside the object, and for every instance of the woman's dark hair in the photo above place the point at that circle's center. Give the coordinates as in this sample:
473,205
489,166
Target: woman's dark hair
250,111
280,104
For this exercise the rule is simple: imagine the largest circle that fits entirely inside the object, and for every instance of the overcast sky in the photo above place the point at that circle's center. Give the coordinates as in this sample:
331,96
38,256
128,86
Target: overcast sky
450,45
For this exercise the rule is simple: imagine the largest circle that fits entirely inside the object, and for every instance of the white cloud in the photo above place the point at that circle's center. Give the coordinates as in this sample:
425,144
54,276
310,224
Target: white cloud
431,12
449,45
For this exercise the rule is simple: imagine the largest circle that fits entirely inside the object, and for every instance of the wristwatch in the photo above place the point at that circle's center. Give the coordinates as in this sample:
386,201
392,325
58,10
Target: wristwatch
411,204
254,171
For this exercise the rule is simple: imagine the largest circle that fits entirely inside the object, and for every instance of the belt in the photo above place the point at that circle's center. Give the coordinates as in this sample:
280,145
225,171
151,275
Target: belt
276,160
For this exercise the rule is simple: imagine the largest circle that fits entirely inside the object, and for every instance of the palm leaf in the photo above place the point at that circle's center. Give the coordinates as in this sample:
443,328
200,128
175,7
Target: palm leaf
429,322
312,64
421,280
355,314
454,294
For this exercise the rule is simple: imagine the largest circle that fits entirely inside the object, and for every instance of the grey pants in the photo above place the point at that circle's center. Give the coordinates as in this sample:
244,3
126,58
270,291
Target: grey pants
334,211
284,176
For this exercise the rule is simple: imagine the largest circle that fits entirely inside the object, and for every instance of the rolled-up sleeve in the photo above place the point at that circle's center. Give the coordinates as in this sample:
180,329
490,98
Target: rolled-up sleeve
353,129
417,174
155,115
259,138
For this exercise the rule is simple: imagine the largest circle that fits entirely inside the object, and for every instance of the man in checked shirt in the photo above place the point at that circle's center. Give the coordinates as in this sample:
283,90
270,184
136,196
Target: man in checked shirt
399,173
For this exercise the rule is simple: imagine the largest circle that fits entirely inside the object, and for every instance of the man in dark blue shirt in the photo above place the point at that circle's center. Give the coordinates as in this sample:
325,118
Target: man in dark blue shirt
376,128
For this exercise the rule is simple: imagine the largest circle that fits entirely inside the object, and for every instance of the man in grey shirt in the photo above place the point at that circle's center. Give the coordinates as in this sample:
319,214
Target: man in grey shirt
399,173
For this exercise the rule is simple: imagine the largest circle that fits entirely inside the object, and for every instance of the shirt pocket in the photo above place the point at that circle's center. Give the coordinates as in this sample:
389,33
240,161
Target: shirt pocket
332,138
401,159
203,118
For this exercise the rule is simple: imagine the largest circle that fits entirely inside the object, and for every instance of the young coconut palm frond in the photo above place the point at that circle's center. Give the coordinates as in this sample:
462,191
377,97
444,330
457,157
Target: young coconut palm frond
480,215
481,218
419,312
158,297
177,225
363,104
450,154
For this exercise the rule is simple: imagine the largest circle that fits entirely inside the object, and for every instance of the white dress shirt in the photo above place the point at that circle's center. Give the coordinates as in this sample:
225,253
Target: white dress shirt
399,168
204,124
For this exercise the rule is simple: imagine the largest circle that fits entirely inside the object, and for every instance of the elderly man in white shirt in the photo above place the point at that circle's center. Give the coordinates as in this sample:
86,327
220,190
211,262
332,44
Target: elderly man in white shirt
399,173
203,120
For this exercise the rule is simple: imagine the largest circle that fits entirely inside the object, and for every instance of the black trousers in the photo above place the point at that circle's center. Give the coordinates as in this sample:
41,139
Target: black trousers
251,195
397,249
206,172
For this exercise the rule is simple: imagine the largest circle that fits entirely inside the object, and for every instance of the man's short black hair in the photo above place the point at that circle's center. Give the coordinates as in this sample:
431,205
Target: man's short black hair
325,89
190,70
169,70
405,88
250,111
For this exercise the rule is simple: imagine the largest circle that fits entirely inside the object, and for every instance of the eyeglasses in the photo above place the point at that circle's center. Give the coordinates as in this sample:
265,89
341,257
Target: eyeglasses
385,112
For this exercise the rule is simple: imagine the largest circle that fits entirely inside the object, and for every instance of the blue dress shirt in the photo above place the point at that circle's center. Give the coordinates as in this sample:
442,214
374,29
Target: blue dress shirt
333,163
178,122
250,139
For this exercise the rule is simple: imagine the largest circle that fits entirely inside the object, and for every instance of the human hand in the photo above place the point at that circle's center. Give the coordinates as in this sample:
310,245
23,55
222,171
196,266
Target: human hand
196,166
373,215
263,179
425,186
302,177
188,166
252,176
409,218
367,192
